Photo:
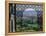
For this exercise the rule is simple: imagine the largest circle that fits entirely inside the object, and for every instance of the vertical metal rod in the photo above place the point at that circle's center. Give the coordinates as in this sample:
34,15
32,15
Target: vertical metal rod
13,19
12,22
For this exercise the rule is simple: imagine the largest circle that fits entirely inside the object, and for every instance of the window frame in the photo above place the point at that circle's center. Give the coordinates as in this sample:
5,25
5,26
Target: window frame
21,2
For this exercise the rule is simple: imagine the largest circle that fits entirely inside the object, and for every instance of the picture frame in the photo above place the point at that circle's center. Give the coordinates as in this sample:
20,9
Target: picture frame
7,22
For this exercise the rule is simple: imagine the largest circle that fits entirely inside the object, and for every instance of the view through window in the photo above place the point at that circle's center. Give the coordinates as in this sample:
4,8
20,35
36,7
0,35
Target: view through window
25,17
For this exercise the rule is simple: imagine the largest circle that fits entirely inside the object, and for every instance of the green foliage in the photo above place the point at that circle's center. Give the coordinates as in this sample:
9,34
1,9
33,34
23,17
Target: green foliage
25,25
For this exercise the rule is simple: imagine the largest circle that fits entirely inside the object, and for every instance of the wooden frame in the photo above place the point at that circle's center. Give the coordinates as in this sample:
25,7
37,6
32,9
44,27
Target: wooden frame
7,16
